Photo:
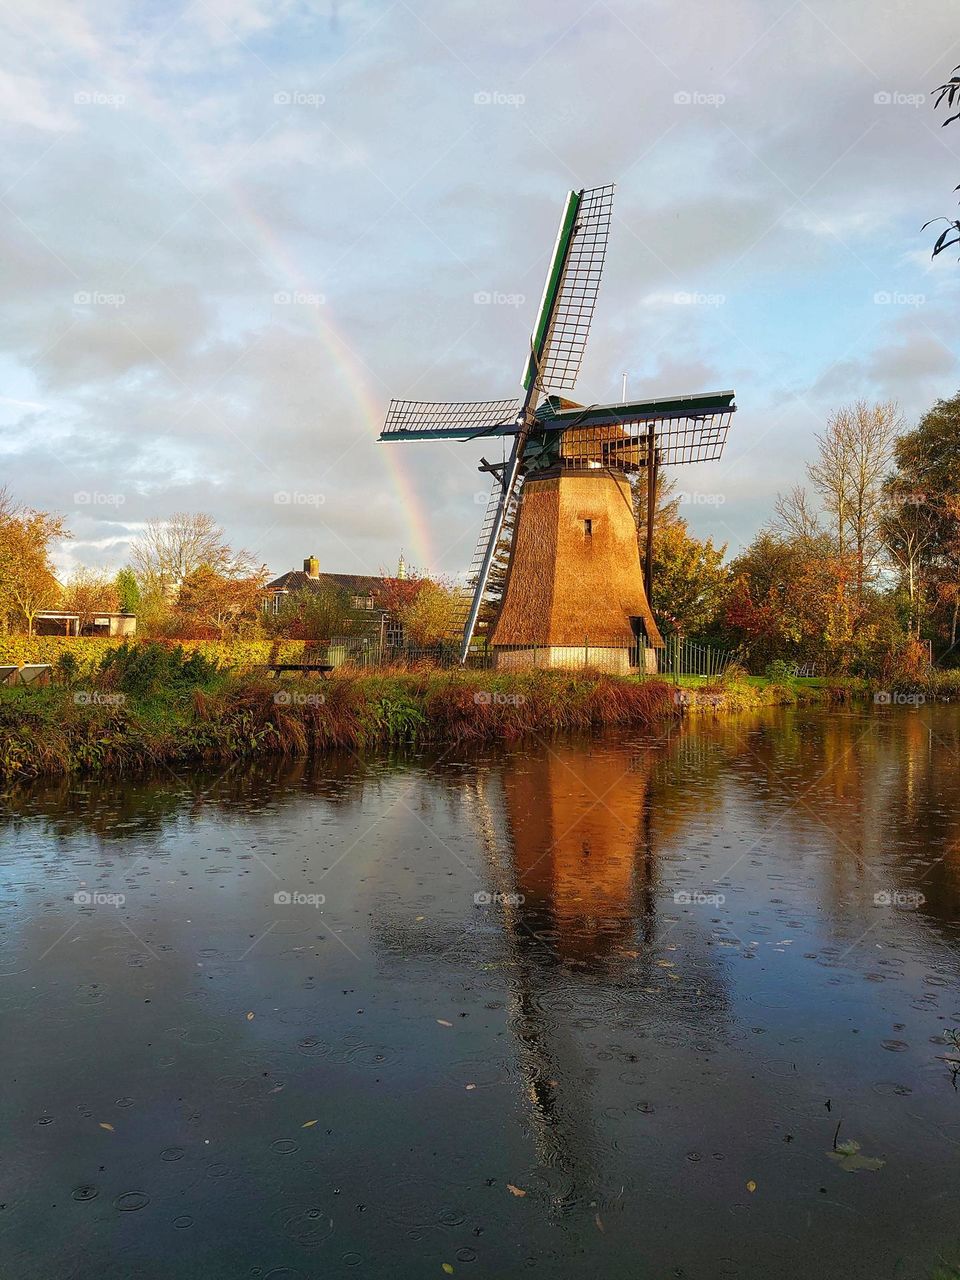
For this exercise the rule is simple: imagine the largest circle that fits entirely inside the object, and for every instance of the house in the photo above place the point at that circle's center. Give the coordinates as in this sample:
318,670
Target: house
53,622
364,590
368,593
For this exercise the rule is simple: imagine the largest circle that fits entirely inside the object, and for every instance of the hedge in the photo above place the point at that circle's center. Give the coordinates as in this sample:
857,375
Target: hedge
241,655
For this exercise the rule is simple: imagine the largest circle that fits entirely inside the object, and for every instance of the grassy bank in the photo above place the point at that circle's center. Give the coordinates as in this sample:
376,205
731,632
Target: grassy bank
750,693
128,707
130,720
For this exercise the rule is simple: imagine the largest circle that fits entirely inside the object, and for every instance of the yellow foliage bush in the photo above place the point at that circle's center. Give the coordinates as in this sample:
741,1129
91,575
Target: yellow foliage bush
241,655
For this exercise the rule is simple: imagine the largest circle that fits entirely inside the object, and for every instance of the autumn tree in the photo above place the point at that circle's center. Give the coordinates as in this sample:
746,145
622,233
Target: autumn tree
167,552
909,529
927,470
689,580
432,615
788,598
316,614
795,516
88,593
222,601
855,452
27,581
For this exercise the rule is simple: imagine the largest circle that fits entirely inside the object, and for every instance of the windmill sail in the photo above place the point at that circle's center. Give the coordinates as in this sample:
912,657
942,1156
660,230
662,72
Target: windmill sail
455,420
687,429
488,594
574,294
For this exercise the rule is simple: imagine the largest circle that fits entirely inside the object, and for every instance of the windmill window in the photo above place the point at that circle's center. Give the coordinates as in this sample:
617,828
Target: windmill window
588,528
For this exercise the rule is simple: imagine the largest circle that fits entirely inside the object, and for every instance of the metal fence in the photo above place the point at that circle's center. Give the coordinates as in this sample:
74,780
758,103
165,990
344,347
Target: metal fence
678,657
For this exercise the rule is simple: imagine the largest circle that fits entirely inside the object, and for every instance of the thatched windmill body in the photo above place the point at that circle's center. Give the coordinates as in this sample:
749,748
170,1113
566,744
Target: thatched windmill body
574,575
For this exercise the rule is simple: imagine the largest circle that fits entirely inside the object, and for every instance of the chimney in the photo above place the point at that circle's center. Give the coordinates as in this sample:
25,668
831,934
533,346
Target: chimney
311,567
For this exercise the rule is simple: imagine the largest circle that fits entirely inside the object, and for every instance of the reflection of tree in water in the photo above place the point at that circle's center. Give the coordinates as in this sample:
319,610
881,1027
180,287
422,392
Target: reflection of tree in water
133,808
877,788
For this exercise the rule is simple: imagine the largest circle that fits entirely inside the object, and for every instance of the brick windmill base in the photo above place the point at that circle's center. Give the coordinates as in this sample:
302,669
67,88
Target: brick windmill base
574,590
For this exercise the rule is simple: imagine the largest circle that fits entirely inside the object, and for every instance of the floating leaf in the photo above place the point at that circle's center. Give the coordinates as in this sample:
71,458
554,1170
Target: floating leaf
848,1157
309,1124
448,1268
515,1191
444,1023
108,1127
751,1186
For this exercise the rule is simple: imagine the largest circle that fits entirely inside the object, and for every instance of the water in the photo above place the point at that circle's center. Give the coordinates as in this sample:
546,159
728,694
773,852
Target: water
676,983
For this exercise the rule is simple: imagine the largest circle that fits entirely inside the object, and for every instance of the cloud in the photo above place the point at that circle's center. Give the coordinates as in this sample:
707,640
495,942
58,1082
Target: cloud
394,162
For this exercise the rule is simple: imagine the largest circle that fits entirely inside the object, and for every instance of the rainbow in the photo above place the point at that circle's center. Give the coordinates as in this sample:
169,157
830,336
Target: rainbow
352,374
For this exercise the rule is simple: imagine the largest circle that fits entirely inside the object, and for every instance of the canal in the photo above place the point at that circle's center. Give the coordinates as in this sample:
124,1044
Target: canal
676,1004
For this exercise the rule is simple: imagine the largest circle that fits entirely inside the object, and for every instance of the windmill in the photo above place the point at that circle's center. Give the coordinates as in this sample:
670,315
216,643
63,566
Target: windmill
574,572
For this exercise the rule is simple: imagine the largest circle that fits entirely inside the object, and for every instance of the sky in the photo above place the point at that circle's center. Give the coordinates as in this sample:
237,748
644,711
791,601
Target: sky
231,230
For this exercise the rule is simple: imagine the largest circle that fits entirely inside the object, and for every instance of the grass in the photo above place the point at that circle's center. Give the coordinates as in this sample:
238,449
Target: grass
744,692
145,704
96,726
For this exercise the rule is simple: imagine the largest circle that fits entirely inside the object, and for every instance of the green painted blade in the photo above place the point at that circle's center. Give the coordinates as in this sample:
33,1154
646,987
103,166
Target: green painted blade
551,288
552,416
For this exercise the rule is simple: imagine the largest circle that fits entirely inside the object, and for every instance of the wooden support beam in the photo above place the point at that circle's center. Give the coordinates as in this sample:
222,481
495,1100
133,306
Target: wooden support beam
651,509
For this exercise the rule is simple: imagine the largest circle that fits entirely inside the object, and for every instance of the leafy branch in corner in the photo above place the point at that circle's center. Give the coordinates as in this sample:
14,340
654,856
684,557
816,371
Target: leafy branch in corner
949,91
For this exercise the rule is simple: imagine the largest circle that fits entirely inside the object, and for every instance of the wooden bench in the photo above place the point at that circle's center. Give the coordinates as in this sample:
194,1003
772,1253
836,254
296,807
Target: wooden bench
279,668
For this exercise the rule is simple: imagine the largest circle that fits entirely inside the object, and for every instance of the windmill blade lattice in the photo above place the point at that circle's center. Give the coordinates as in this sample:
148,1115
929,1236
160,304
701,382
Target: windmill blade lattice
577,296
496,535
688,429
458,420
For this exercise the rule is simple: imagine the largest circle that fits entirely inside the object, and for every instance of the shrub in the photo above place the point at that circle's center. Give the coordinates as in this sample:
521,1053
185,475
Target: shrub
143,670
778,671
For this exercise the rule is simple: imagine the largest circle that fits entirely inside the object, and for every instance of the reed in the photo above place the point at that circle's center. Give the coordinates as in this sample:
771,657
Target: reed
61,730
